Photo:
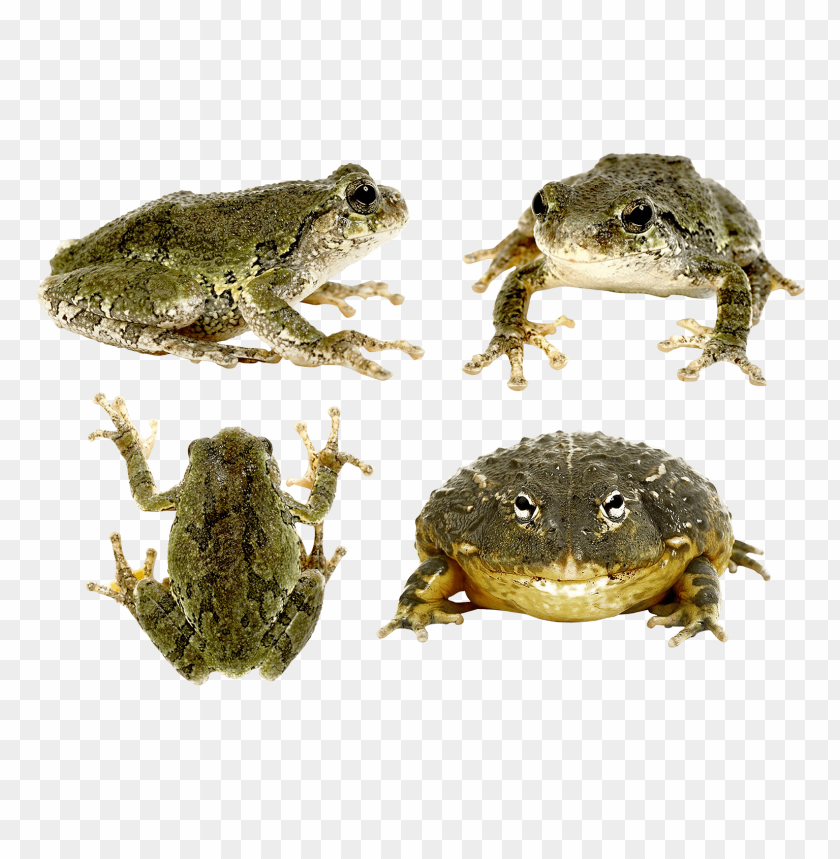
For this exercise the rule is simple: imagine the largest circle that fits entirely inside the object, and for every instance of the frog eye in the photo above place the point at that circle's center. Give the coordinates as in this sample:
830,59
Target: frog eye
524,508
614,506
267,445
637,216
539,205
363,196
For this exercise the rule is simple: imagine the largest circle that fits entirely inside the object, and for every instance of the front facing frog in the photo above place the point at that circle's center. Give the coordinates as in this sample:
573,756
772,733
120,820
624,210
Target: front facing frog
242,592
640,224
574,527
182,273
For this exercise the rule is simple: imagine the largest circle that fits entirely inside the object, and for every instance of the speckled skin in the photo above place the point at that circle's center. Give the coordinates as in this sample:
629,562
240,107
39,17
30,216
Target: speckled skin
181,273
571,561
242,592
589,231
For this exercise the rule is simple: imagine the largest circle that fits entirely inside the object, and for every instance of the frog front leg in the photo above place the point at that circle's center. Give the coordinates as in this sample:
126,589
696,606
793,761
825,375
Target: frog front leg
136,305
697,604
727,341
135,451
158,614
515,250
514,330
266,308
336,293
425,599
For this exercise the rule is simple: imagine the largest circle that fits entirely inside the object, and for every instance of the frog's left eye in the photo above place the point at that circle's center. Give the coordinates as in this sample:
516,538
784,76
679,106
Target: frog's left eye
363,196
524,508
267,445
637,216
614,506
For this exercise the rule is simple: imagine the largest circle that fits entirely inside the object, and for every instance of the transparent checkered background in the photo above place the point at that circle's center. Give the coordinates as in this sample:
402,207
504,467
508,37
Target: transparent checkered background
507,736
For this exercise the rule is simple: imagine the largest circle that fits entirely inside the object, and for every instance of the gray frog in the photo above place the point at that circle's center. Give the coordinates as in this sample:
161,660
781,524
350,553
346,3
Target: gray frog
574,527
634,223
242,592
181,273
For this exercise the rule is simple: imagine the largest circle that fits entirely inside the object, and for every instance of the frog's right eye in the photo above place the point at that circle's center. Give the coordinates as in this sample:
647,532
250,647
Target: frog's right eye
637,216
267,445
524,508
539,205
363,196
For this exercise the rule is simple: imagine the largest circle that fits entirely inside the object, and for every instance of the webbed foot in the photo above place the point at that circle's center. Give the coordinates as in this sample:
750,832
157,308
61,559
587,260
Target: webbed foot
336,293
713,351
125,579
118,412
516,249
330,456
695,618
511,340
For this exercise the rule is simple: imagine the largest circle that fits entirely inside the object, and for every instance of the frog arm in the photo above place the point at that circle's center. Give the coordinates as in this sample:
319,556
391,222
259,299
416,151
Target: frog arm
135,451
517,249
514,329
265,307
336,293
697,604
157,612
727,341
321,498
425,599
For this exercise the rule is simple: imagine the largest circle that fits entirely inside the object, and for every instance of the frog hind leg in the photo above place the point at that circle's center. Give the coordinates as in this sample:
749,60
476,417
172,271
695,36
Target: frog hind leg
136,305
336,293
277,323
514,329
696,604
516,249
727,341
159,616
425,599
764,279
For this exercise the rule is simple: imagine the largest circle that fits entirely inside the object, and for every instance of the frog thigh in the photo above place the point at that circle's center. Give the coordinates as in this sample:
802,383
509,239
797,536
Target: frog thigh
295,624
137,291
167,626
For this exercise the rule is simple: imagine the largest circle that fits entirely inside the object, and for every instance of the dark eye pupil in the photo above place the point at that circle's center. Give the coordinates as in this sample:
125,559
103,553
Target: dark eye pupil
538,204
522,503
365,194
640,216
614,503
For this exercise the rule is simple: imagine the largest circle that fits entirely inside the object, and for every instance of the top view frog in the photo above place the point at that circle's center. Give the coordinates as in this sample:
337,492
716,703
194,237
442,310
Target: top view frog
634,223
183,272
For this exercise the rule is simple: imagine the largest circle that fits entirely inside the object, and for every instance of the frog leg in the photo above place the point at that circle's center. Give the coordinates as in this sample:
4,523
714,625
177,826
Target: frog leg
515,250
514,330
728,339
321,475
426,600
697,604
764,279
135,451
740,557
335,293
159,616
265,307
134,304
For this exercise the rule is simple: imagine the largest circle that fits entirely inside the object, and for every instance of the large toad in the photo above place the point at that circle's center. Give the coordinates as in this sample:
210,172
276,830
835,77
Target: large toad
574,527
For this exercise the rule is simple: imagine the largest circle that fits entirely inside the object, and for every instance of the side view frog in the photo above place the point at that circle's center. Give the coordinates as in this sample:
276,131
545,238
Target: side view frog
242,592
574,527
633,223
182,273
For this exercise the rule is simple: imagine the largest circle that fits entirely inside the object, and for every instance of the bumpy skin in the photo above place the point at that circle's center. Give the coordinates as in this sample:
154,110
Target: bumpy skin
699,241
182,273
242,592
609,527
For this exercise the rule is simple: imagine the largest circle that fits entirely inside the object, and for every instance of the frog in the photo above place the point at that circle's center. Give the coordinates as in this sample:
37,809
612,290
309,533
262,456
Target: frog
633,224
574,527
242,591
183,273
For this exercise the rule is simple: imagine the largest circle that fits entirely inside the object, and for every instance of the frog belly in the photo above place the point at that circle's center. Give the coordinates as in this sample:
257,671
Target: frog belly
571,601
634,274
